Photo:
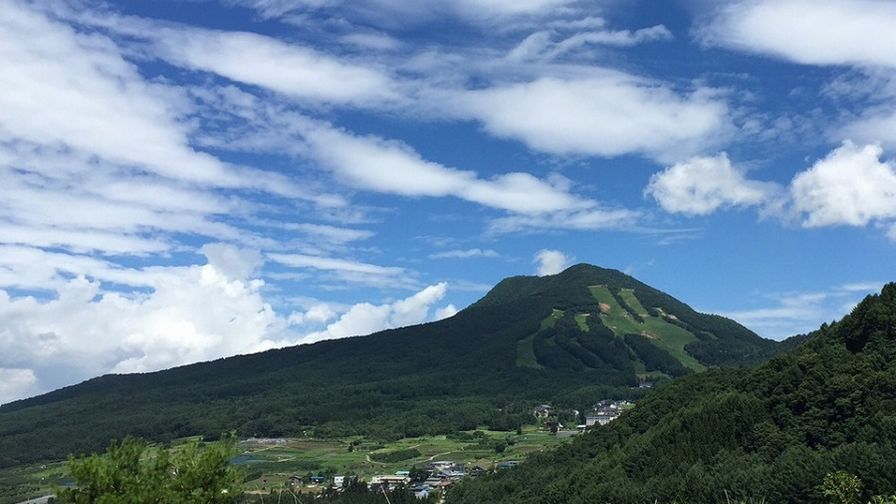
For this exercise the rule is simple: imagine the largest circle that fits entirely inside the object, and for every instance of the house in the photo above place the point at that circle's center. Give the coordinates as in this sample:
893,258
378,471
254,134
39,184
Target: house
317,480
508,464
387,482
477,471
441,465
295,480
605,412
552,426
421,490
542,411
338,481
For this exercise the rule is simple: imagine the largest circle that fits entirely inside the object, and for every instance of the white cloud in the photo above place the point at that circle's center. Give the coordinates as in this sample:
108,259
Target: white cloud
445,312
235,263
541,46
190,314
333,264
319,313
96,158
851,186
392,167
365,318
795,313
603,115
702,185
551,262
791,314
294,70
16,384
579,220
346,271
389,12
877,125
465,254
334,234
820,32
71,89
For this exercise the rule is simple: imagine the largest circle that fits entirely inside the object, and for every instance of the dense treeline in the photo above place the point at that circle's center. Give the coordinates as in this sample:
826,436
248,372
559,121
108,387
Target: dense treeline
780,432
455,374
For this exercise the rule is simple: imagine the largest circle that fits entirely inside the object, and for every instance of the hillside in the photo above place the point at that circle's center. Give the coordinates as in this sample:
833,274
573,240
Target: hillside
769,433
572,338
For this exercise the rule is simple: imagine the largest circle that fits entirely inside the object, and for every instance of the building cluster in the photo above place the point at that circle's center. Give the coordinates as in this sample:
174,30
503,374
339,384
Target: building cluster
438,476
605,412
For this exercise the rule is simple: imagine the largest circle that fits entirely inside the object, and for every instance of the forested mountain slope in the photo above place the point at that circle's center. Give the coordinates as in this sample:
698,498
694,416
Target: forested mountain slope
769,433
571,338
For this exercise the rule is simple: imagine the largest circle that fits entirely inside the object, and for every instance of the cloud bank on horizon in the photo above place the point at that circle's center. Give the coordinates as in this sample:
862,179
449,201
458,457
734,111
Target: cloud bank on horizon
288,171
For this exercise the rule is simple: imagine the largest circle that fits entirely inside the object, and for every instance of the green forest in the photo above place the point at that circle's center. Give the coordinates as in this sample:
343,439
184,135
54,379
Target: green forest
810,424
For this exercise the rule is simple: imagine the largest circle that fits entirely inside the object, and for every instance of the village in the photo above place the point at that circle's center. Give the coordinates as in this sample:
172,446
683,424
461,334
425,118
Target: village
438,476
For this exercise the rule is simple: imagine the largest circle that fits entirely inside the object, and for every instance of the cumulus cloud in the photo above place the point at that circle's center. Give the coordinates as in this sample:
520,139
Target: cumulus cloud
186,314
877,126
232,261
366,318
821,32
445,312
320,313
551,262
16,383
703,184
851,186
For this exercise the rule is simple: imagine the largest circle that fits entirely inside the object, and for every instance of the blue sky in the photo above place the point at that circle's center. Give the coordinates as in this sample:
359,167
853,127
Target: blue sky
186,180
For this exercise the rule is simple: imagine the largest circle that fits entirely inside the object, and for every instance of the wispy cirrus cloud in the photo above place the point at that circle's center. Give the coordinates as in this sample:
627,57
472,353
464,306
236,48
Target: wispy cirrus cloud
465,254
793,313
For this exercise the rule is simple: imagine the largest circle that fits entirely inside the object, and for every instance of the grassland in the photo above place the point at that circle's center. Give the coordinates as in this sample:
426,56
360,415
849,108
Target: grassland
662,333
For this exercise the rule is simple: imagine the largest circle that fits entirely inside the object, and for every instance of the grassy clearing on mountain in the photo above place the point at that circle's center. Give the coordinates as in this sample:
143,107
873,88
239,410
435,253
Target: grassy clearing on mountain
661,333
582,321
525,354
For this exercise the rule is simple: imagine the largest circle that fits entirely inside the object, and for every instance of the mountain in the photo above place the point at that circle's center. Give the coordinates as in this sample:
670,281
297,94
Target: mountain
572,338
768,434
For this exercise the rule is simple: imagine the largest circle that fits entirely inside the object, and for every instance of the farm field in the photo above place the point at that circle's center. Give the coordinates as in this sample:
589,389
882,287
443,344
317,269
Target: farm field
268,465
271,466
